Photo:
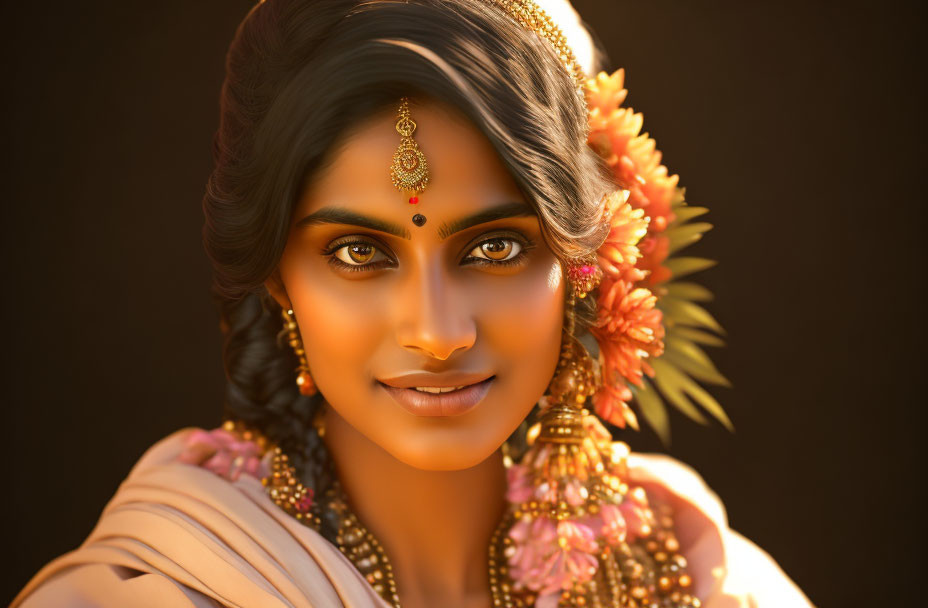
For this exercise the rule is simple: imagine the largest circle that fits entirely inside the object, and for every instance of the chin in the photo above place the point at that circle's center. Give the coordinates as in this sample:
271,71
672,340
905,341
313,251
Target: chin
443,454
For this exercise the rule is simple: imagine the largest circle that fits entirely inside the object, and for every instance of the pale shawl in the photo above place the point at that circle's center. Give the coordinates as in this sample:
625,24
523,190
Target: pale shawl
176,534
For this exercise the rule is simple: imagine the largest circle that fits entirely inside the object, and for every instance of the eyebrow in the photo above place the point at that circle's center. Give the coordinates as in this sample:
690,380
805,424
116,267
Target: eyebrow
341,215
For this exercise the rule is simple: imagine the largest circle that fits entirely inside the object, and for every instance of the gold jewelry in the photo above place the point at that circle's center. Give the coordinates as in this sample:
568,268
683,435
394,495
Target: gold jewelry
647,570
571,501
410,171
533,18
584,275
303,379
361,548
575,378
574,472
287,491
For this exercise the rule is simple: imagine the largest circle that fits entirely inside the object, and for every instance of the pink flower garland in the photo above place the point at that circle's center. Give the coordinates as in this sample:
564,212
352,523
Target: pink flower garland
550,555
225,453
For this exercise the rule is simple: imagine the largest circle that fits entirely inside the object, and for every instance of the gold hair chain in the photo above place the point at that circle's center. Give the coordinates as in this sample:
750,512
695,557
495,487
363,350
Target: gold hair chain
530,16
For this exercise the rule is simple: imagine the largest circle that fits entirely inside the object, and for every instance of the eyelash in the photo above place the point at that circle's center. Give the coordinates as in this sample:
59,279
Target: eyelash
525,244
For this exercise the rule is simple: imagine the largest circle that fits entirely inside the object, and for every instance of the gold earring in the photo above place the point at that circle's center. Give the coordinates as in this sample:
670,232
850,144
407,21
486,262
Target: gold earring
303,380
565,491
574,378
563,415
410,171
584,275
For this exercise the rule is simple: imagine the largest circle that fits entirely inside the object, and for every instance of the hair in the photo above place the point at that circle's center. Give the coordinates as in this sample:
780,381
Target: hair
300,75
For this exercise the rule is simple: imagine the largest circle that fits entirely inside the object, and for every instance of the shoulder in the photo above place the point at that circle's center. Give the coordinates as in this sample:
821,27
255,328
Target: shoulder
76,580
101,576
192,526
728,570
105,585
166,450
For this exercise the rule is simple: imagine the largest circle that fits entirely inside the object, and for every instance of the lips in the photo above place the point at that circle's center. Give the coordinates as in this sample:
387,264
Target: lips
451,403
445,379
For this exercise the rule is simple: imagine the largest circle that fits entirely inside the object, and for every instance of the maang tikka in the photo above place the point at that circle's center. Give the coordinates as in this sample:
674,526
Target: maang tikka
409,171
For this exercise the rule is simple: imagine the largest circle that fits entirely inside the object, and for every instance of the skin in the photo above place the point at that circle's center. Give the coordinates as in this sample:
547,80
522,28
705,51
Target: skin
431,489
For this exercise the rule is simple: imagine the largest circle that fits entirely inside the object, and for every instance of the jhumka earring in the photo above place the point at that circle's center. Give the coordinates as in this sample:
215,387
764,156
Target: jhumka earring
579,534
303,380
410,171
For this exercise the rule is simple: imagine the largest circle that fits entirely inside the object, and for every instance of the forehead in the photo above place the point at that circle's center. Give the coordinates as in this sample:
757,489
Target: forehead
465,171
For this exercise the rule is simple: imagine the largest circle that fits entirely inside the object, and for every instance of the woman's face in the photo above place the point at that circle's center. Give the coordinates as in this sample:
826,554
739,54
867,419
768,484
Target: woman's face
472,297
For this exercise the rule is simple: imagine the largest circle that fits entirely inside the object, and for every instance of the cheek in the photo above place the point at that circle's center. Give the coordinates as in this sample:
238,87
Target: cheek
340,330
527,313
525,333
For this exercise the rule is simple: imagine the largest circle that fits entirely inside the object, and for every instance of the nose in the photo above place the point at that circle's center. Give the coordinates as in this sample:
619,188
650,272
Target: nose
435,320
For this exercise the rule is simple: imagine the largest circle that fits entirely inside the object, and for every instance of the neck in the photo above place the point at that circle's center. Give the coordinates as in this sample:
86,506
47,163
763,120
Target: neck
435,526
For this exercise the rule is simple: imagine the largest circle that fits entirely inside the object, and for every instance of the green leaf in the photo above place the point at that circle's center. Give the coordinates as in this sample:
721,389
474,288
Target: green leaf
678,198
691,359
681,236
682,266
708,402
688,290
681,382
696,335
686,348
653,410
685,213
667,378
687,313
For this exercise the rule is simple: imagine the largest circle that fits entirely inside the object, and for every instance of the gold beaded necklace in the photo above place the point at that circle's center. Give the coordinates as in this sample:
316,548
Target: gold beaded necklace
644,573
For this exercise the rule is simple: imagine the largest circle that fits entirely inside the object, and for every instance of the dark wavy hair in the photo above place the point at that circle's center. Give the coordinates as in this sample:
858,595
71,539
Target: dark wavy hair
300,75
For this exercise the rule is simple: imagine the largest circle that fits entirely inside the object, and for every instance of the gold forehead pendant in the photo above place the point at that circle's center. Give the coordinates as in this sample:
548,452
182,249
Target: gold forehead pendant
409,171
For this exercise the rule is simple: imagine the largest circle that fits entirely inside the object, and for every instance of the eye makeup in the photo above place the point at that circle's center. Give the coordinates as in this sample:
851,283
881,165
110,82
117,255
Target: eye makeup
331,251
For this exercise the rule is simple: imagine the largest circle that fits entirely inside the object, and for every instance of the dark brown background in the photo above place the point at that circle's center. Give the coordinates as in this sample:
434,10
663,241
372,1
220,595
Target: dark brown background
798,123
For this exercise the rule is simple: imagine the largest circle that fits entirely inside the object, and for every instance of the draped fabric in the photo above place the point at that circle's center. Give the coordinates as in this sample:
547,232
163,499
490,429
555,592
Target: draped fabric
175,534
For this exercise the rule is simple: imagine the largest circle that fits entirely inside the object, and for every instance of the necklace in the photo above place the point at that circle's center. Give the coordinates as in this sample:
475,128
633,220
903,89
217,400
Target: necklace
646,572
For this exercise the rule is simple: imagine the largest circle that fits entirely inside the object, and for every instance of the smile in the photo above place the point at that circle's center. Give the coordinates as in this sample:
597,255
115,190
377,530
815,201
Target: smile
439,400
438,389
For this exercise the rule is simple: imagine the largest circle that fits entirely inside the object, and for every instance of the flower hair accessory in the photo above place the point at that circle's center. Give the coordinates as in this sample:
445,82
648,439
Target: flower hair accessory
650,327
579,526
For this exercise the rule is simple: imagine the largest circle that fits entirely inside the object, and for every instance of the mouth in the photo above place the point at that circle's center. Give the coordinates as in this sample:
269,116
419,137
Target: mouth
439,400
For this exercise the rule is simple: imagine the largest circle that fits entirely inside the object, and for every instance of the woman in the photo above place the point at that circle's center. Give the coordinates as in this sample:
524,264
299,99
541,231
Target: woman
413,351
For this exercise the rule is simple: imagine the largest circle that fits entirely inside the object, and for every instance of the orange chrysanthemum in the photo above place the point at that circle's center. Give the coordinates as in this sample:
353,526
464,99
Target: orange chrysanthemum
628,329
628,225
607,91
654,250
644,229
615,133
611,404
655,187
